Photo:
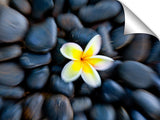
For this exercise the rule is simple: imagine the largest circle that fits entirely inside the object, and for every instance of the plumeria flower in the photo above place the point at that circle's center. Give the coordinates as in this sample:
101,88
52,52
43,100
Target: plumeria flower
84,63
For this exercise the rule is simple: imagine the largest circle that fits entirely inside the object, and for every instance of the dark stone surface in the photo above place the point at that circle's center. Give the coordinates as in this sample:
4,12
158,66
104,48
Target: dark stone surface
11,92
58,7
101,11
11,74
81,104
32,60
38,77
40,7
77,4
80,116
22,5
112,91
122,114
60,107
10,52
82,36
136,74
13,25
42,37
11,112
102,112
33,107
69,22
119,40
138,49
148,102
59,86
135,115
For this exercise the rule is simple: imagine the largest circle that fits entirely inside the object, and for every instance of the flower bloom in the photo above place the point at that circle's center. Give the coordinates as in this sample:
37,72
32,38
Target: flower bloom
84,63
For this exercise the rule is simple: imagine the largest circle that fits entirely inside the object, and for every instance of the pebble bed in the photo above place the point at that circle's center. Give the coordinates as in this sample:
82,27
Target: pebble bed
31,35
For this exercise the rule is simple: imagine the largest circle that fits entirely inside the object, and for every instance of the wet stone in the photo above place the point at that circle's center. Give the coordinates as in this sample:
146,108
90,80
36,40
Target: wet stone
10,52
59,86
60,107
42,37
69,22
11,92
4,2
106,48
77,4
119,40
86,89
102,112
11,112
120,18
13,25
13,74
40,7
58,58
135,115
136,74
58,7
148,102
138,49
56,69
81,104
32,60
80,116
33,107
1,103
38,77
82,36
22,5
100,11
112,91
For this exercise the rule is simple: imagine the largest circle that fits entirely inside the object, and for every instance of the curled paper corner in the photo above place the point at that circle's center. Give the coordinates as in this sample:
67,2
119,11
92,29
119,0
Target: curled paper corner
134,25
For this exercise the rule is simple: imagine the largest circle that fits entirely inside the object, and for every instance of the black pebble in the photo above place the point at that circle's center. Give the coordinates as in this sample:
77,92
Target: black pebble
80,116
13,74
112,91
77,4
42,37
58,85
38,77
69,22
32,60
58,7
135,115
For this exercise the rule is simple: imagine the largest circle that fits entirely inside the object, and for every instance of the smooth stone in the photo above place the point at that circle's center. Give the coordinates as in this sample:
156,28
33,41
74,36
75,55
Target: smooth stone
77,4
38,77
69,22
119,40
59,86
33,107
148,102
40,7
135,115
106,48
81,104
32,60
1,103
13,25
102,112
80,116
112,91
22,5
57,57
42,37
4,2
11,92
136,74
11,74
85,89
120,18
10,52
58,7
82,36
12,112
154,54
58,107
122,114
138,49
99,12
